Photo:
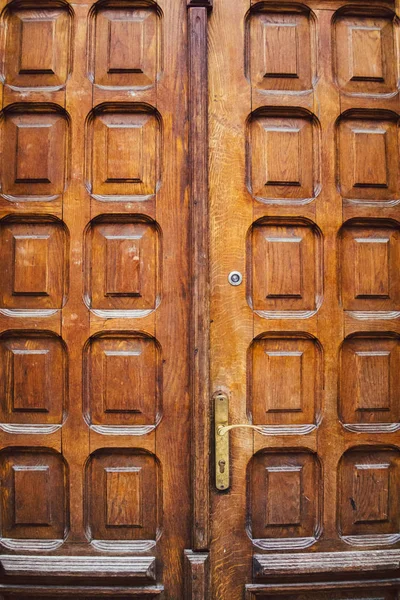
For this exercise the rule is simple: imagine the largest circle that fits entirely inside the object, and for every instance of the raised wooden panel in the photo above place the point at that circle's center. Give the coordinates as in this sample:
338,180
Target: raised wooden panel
37,45
32,378
283,157
370,382
284,269
122,268
128,512
124,496
294,476
34,494
284,383
34,255
33,152
368,499
370,254
368,158
123,154
123,381
365,51
27,509
280,49
126,46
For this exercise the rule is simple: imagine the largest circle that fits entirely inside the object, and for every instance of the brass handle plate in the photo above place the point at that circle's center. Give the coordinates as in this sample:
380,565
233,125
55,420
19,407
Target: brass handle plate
221,428
221,415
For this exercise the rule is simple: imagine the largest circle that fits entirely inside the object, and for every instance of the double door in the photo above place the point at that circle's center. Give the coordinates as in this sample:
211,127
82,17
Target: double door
199,229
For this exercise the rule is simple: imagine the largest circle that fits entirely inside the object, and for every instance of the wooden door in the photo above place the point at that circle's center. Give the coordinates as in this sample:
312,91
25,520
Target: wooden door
106,252
304,197
95,480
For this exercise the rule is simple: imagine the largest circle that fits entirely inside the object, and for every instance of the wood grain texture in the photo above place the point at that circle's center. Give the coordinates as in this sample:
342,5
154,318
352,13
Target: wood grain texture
358,590
141,567
67,591
231,318
325,562
108,244
309,126
94,232
200,315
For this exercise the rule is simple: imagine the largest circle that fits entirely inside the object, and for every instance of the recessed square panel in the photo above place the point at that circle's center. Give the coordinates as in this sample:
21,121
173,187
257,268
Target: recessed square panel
280,49
285,271
34,154
127,46
284,381
124,155
37,45
370,381
370,255
368,502
123,496
32,378
35,263
365,51
282,158
123,380
34,494
295,477
368,159
122,269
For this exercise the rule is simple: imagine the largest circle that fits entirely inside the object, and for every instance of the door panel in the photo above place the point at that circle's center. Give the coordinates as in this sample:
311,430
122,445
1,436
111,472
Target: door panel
94,295
304,193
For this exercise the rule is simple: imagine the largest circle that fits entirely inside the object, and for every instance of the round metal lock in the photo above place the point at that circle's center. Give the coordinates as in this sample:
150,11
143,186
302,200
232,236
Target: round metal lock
235,278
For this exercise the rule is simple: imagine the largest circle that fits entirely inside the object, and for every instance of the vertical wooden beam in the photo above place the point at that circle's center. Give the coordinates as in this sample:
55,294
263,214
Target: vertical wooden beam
196,575
200,309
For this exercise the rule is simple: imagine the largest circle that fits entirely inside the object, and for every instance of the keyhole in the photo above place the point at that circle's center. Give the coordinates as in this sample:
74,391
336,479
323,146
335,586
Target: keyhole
221,464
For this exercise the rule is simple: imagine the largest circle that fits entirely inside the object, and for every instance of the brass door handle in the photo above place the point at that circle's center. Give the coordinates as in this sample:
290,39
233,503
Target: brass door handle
221,428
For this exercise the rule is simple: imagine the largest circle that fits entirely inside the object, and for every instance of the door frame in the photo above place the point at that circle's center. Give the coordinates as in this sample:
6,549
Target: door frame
197,560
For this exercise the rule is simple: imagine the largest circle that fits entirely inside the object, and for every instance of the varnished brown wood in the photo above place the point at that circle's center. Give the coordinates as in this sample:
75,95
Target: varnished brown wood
99,591
200,314
95,301
325,562
304,193
149,149
196,575
231,328
333,590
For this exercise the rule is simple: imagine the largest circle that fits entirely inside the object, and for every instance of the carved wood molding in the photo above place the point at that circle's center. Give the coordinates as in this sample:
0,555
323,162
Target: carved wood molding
196,575
200,308
267,565
142,567
86,591
368,586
